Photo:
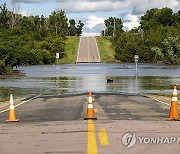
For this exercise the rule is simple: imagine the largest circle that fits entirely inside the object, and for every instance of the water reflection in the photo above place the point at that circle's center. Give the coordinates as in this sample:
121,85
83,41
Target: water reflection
61,79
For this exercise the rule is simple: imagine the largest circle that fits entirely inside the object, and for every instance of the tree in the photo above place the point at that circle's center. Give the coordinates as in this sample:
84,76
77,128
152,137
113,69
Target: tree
2,66
72,27
156,17
4,18
59,23
79,28
31,40
113,26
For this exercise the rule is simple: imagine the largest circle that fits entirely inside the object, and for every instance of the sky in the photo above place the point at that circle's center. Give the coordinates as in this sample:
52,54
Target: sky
93,12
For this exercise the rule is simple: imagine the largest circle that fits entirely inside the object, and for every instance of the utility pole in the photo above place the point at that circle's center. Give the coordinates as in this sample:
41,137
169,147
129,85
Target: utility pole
114,27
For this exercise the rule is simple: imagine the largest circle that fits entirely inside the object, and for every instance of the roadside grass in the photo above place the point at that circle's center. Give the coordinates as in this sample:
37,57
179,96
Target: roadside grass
106,50
168,95
71,50
4,99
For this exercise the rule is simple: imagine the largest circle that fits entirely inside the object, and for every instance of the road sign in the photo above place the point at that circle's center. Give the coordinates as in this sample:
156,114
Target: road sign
136,58
57,55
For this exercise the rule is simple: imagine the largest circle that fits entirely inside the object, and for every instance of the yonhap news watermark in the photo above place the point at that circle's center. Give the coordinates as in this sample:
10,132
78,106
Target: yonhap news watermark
131,139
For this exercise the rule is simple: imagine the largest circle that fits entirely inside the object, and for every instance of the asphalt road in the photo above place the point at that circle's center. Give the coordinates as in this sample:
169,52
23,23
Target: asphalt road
108,106
55,125
88,51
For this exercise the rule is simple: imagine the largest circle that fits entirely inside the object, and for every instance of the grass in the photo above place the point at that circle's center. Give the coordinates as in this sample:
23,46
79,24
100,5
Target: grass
106,50
104,44
71,49
168,95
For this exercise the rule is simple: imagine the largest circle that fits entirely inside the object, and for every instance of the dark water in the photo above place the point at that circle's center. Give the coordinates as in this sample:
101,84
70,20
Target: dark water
60,79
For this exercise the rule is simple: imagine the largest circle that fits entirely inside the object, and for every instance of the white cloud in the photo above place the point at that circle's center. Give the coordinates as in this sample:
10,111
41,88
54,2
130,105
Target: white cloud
131,21
29,1
92,21
93,25
93,6
138,6
24,13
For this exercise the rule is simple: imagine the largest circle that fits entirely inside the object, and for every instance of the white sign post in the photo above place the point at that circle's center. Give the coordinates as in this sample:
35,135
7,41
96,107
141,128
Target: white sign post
136,58
57,55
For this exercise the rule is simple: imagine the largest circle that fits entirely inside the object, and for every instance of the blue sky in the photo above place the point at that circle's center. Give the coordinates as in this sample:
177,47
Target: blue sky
93,12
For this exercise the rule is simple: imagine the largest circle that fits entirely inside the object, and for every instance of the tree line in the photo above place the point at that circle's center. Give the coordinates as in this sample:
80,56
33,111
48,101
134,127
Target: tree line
30,40
156,40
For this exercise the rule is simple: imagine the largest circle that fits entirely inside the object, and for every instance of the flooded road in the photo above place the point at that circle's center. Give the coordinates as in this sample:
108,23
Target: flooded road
75,78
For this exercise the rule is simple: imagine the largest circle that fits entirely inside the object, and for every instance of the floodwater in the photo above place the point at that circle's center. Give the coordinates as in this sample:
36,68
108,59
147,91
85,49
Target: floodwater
76,78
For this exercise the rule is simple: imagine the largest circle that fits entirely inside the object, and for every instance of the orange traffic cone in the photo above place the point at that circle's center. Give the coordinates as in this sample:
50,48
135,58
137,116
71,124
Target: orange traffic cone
90,109
12,115
90,112
90,97
174,113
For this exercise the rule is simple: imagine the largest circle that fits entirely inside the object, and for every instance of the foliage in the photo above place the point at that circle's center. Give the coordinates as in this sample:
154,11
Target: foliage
113,27
79,28
33,40
156,40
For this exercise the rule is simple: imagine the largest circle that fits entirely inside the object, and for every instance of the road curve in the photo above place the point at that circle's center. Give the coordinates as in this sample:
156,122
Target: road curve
88,51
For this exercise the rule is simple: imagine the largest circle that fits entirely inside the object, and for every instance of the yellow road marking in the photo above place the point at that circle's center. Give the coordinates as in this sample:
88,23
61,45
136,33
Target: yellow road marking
103,137
88,50
95,110
92,147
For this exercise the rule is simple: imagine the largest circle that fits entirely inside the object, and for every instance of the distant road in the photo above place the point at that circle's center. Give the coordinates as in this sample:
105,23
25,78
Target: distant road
88,51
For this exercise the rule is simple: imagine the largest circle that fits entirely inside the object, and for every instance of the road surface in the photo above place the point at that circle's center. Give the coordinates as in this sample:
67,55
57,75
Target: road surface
88,51
54,124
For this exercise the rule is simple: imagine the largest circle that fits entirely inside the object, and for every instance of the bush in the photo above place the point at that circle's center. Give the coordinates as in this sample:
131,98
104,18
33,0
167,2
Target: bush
2,66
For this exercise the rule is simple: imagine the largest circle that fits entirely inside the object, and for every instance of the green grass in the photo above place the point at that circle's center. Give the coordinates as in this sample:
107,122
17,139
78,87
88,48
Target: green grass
71,49
106,50
104,44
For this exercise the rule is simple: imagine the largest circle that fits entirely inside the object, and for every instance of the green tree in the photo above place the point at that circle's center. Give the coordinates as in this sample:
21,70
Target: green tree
79,28
72,27
156,17
59,23
58,45
4,18
2,66
113,27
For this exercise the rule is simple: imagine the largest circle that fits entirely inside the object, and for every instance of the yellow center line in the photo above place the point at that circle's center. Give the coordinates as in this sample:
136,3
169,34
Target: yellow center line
91,137
103,137
95,110
88,49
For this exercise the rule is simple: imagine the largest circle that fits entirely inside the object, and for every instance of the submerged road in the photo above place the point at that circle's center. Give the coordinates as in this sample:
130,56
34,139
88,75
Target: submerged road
88,51
108,106
54,124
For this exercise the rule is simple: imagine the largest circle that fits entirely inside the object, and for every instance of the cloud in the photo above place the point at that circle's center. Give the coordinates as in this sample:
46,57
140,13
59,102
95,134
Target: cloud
29,1
24,13
96,30
138,8
92,21
93,25
130,10
93,6
130,21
